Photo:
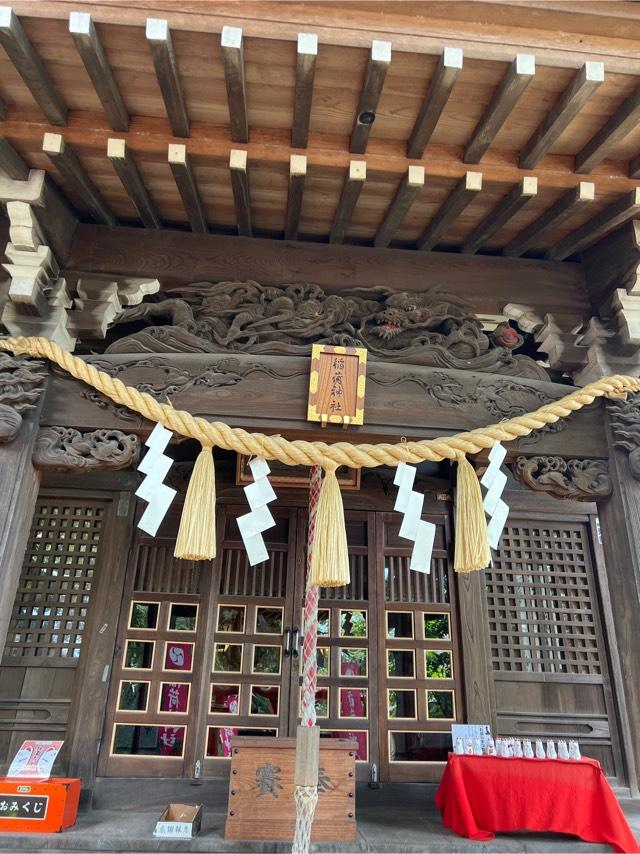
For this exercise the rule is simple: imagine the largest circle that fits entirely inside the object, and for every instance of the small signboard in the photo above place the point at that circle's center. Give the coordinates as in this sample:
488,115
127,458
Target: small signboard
337,385
179,821
472,731
34,760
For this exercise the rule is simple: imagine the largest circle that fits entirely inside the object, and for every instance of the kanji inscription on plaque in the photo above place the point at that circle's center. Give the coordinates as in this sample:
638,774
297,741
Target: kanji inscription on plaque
337,384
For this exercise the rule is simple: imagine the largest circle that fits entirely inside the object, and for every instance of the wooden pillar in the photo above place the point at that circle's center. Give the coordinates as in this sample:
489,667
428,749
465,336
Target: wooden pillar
479,692
619,533
19,484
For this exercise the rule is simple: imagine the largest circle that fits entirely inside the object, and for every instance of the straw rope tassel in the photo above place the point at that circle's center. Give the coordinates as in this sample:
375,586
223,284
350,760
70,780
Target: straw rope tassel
472,543
330,558
197,534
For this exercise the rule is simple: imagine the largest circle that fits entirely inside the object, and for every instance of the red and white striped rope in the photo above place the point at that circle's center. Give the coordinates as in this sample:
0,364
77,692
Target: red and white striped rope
310,625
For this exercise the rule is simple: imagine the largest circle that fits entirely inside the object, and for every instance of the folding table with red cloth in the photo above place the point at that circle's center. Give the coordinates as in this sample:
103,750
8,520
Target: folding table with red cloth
479,795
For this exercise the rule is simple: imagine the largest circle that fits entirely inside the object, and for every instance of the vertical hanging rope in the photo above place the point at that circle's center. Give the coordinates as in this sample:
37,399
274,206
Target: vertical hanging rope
471,541
197,534
330,558
306,792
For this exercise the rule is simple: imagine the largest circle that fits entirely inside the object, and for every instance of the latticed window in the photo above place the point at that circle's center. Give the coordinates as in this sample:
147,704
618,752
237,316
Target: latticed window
52,603
541,601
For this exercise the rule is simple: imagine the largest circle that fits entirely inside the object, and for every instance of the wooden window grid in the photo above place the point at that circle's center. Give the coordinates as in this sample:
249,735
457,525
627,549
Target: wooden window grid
540,601
52,602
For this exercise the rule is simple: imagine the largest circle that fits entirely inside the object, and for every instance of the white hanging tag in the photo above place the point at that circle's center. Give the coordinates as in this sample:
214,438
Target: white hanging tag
159,438
256,549
155,465
259,492
259,468
409,527
256,522
497,523
494,492
405,486
497,454
156,509
423,547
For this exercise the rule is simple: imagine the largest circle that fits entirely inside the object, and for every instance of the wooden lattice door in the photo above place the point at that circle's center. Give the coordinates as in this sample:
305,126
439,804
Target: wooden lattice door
548,656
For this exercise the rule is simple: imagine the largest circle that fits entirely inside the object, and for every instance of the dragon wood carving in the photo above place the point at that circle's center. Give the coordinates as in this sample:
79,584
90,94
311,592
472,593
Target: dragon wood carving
428,328
21,384
581,480
67,450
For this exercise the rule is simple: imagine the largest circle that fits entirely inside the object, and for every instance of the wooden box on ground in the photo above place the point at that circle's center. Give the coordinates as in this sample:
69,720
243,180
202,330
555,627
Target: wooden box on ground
261,790
38,806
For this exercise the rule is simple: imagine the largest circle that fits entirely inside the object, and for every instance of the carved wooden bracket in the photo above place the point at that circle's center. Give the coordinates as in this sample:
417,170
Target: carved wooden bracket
625,424
21,384
581,480
67,450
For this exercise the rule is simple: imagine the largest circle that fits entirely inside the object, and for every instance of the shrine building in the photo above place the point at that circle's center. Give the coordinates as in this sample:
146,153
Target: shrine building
195,194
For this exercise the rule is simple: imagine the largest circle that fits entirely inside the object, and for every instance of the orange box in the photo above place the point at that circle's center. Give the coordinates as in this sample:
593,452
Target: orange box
38,806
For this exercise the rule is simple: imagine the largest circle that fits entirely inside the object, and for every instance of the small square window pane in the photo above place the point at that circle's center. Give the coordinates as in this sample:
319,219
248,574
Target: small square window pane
323,621
182,618
399,624
401,704
400,663
174,697
264,699
436,627
437,664
324,660
353,702
138,654
269,621
231,618
225,699
133,696
353,624
353,662
228,657
440,705
266,659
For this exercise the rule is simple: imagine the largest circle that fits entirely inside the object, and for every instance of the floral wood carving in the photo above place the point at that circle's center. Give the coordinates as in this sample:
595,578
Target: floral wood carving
625,424
581,480
21,384
428,328
68,450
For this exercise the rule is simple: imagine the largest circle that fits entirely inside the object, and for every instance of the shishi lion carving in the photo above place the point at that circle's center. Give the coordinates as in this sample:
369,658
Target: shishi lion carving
429,328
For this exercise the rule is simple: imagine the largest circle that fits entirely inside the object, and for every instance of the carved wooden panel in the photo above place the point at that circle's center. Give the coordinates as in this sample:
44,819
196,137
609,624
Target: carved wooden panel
52,603
157,571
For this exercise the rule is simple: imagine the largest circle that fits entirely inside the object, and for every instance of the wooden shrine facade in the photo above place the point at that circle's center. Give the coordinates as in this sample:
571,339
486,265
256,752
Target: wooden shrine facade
192,201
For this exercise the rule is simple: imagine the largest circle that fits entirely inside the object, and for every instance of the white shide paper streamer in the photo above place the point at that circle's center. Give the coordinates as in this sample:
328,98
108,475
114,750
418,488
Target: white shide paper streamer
253,524
494,481
409,503
155,466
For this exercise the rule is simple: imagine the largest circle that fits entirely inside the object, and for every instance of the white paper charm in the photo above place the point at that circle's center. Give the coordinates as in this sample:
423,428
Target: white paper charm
413,527
155,465
253,524
494,482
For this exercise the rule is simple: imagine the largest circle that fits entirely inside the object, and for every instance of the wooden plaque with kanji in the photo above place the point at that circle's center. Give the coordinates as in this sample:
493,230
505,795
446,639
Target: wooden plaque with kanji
337,384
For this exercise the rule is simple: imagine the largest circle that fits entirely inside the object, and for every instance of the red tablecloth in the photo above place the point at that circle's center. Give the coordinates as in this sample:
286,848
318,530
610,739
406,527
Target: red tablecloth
482,794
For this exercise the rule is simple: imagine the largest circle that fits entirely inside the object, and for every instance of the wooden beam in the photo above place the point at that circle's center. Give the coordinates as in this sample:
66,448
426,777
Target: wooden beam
164,61
563,112
126,169
68,165
240,187
297,177
519,75
305,72
622,210
377,68
553,217
634,167
178,257
93,57
446,73
463,194
353,184
186,183
516,199
11,163
30,67
621,123
406,194
233,59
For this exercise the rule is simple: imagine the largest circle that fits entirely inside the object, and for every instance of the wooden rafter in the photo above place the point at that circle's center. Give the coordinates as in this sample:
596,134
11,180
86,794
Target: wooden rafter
616,128
130,178
622,210
305,73
240,187
233,59
11,163
462,195
446,73
518,76
164,61
351,189
377,68
68,165
552,218
405,196
186,183
30,67
93,57
514,201
566,108
297,178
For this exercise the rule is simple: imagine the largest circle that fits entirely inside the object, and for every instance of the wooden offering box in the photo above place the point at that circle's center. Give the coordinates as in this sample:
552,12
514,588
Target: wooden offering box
261,790
38,806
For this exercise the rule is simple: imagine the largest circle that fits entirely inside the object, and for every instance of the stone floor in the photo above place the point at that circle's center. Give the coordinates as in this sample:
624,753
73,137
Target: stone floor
393,818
